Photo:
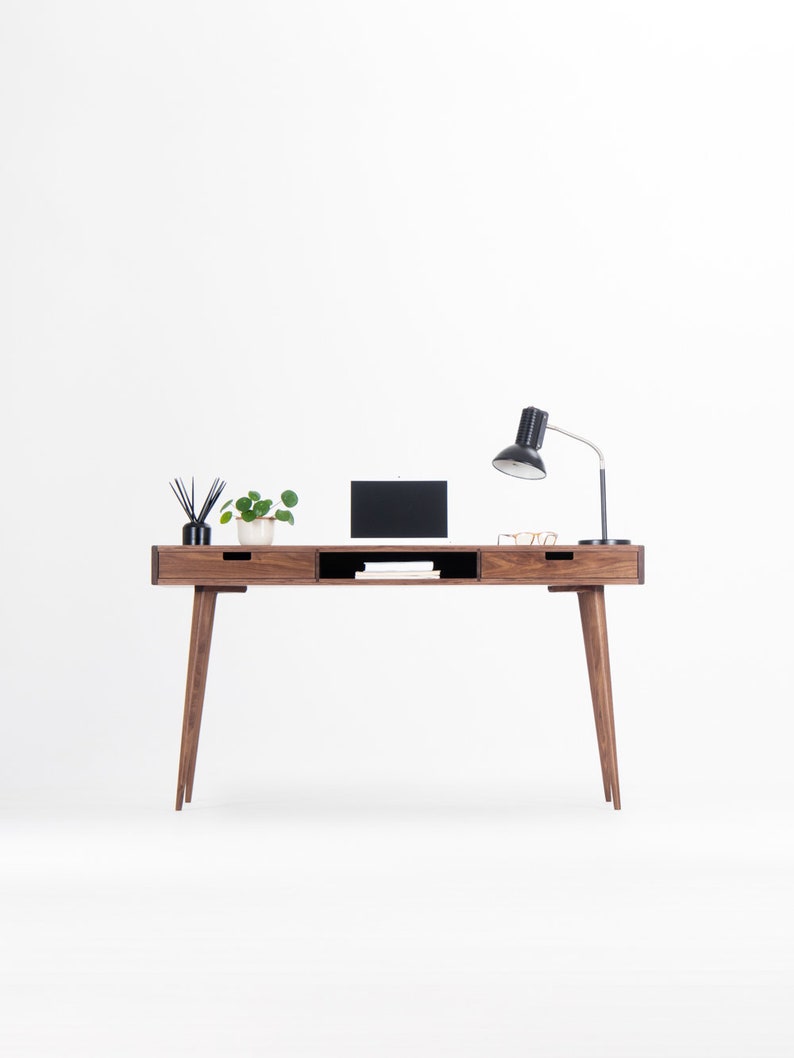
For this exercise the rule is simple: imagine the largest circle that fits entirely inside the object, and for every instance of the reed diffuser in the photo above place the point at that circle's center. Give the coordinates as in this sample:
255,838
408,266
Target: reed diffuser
196,531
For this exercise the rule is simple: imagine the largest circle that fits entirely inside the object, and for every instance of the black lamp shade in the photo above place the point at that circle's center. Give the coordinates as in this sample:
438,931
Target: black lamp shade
522,460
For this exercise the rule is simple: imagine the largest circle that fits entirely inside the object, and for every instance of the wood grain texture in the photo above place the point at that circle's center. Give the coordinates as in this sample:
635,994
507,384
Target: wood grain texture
552,565
207,565
204,600
575,564
592,610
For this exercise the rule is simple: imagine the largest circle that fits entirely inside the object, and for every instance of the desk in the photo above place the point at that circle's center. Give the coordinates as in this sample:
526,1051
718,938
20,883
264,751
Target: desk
584,570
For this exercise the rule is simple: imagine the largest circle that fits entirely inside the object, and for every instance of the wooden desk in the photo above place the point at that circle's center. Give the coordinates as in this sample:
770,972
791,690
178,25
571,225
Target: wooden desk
584,570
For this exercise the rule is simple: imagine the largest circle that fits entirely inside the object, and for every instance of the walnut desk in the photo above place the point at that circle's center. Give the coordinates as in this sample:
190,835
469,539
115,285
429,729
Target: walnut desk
583,569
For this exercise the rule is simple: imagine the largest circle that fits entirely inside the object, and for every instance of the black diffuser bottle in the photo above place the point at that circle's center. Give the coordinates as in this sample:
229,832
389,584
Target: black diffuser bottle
196,531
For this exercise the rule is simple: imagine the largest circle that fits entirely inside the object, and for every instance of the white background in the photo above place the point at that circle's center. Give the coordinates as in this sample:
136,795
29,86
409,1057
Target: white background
297,244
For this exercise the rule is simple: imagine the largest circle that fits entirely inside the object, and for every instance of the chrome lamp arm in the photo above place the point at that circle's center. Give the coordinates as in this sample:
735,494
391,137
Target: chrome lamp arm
601,472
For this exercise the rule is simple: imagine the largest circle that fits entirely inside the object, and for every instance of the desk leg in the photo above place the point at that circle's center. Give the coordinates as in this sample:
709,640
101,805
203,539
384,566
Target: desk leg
596,645
204,600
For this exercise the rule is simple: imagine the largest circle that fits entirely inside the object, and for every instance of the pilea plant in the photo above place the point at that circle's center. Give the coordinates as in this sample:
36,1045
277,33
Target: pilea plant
252,506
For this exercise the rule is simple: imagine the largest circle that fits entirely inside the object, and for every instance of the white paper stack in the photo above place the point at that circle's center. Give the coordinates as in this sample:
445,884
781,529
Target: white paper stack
410,569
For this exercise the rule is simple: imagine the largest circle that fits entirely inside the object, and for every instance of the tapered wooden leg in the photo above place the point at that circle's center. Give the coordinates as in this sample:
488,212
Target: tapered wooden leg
204,599
601,733
596,645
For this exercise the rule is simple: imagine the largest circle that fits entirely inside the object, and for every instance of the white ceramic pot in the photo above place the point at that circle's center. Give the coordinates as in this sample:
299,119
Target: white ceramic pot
259,531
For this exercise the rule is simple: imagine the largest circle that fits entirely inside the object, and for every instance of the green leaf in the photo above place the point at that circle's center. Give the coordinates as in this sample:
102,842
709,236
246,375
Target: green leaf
289,498
261,507
226,517
285,516
248,516
227,504
255,496
244,504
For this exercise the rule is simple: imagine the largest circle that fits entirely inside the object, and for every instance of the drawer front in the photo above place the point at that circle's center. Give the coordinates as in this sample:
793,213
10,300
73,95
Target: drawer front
234,565
560,565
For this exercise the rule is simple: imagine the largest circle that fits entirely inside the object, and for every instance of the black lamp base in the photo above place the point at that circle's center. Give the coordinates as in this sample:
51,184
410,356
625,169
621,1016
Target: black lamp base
605,541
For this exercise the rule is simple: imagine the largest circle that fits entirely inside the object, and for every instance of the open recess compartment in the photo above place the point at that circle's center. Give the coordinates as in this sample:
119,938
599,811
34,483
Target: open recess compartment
343,565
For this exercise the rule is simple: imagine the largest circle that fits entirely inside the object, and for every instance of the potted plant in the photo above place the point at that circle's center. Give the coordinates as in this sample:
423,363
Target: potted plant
257,517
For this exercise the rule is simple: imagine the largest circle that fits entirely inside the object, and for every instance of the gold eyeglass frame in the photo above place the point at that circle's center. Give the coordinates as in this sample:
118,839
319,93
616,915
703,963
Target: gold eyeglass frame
545,538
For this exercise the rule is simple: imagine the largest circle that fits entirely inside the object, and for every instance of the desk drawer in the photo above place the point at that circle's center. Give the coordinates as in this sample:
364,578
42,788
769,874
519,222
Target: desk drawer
560,565
234,565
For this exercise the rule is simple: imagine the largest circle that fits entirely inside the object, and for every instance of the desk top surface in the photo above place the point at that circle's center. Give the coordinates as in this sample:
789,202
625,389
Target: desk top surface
561,564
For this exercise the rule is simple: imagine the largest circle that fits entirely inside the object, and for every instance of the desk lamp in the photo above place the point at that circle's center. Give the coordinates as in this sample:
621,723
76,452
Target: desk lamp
521,460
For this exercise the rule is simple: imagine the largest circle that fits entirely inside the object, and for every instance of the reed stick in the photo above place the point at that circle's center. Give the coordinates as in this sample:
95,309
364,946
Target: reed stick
188,502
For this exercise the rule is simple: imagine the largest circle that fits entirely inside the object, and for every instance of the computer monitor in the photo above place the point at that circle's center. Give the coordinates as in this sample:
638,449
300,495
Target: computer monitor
398,509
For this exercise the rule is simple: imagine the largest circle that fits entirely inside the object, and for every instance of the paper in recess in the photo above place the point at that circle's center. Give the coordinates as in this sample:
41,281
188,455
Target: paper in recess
396,574
410,565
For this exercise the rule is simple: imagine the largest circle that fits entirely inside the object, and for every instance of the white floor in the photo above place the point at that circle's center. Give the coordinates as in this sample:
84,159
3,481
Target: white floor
368,924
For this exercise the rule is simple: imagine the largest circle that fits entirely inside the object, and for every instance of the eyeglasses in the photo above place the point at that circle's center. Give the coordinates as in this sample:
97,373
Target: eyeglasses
524,537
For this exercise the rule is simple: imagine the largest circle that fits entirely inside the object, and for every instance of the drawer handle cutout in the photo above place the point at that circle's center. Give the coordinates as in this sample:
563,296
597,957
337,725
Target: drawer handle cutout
559,556
236,556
